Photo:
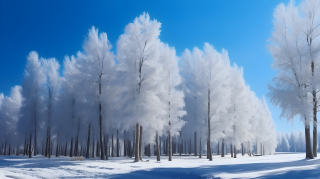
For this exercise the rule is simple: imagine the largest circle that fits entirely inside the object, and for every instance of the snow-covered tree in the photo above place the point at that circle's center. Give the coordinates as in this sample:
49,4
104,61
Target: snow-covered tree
211,72
138,53
33,89
9,115
294,46
96,68
172,97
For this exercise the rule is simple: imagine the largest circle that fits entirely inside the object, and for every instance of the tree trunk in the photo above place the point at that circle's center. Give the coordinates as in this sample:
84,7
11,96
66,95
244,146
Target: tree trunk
106,152
25,146
242,149
222,148
93,147
140,144
170,147
88,142
117,143
35,137
57,148
71,146
231,150
46,148
209,128
235,151
137,158
167,146
124,144
112,154
218,149
30,154
100,123
314,96
50,146
157,146
195,143
309,153
200,149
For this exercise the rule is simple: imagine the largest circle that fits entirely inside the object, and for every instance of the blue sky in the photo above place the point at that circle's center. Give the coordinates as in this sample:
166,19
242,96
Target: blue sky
56,29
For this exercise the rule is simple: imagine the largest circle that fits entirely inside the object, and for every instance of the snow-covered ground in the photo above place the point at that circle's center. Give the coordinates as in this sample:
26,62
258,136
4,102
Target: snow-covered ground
270,166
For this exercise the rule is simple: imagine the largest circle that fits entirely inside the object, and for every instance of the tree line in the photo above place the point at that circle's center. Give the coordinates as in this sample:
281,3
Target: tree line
143,100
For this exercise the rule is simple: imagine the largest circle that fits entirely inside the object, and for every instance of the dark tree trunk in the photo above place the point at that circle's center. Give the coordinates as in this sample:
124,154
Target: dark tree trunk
57,148
112,147
209,128
50,145
124,144
81,151
170,147
140,144
137,158
100,123
25,146
200,149
30,153
222,148
235,151
159,147
71,147
231,150
314,96
93,148
88,142
106,148
35,138
195,143
309,153
185,146
117,143
242,149
65,149
46,148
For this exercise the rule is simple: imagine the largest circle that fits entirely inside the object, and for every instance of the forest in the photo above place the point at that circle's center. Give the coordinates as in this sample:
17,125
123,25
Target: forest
142,101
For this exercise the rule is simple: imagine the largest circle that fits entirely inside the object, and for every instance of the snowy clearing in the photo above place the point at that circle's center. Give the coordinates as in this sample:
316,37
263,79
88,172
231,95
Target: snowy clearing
270,166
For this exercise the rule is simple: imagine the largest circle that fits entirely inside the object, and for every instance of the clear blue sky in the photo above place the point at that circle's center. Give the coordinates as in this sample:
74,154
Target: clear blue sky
56,29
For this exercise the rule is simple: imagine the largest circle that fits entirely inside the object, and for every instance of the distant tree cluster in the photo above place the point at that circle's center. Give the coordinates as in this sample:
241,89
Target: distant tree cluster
295,48
145,100
292,142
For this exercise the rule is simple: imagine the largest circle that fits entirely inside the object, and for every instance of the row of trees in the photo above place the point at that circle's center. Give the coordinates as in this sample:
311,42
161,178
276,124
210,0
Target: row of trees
294,46
110,105
292,142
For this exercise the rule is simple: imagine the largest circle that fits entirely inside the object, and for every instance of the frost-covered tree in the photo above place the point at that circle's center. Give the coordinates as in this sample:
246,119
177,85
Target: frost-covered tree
33,89
138,53
9,115
172,97
96,68
238,110
211,73
51,68
294,46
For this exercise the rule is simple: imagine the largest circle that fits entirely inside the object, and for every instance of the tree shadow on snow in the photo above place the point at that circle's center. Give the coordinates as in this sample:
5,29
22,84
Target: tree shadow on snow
35,162
216,171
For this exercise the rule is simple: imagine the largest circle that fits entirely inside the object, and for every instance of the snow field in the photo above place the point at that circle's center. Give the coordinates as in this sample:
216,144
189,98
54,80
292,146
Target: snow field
280,165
